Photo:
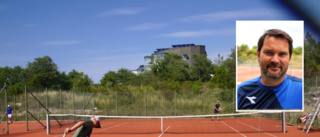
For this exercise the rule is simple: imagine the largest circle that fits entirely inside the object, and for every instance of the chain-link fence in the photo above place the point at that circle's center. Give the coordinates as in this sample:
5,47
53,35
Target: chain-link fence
3,110
35,103
43,101
158,103
32,106
311,95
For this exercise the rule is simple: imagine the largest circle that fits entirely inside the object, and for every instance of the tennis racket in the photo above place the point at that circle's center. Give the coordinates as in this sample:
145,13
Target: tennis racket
64,135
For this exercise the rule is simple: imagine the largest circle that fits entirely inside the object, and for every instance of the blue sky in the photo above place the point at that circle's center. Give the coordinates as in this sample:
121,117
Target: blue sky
98,36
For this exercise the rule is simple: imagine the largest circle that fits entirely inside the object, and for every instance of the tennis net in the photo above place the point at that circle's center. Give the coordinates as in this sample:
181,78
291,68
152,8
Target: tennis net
227,123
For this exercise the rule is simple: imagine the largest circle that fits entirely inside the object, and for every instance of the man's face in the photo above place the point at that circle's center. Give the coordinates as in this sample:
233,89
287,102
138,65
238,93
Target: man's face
274,57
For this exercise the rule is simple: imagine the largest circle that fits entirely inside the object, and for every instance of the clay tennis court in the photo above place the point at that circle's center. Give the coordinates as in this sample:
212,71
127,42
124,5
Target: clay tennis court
226,127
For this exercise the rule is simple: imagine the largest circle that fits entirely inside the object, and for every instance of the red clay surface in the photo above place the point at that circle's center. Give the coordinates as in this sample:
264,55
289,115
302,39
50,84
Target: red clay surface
228,127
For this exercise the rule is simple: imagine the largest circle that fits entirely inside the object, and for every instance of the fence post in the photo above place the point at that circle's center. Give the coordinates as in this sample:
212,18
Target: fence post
65,103
233,110
116,103
94,109
283,122
46,97
204,103
145,102
84,100
175,103
60,102
14,107
316,123
26,106
6,100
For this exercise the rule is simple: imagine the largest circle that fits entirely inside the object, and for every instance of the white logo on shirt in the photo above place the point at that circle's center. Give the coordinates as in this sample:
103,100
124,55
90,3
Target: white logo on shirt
252,99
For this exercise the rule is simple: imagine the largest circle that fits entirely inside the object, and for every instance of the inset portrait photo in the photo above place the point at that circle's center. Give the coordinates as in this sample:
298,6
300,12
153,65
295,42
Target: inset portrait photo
269,69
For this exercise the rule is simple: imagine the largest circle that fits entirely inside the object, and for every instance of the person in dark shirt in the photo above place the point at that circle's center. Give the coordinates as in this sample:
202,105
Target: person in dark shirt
84,128
216,111
274,89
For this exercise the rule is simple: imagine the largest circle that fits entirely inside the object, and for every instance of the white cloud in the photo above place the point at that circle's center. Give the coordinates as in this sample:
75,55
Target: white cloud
60,43
124,11
183,34
240,14
147,26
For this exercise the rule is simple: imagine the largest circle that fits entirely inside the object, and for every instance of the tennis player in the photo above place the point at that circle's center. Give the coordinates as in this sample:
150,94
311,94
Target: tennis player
84,128
216,111
9,114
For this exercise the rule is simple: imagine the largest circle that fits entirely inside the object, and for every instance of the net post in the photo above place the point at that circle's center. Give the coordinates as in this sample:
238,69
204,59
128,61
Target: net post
161,125
259,116
284,122
48,124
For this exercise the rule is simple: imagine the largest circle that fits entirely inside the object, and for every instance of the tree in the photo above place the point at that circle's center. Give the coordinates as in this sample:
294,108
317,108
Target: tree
121,77
14,78
64,81
109,79
160,69
225,71
312,56
147,78
297,51
4,74
245,54
80,81
125,76
202,68
311,61
172,67
42,72
218,61
230,63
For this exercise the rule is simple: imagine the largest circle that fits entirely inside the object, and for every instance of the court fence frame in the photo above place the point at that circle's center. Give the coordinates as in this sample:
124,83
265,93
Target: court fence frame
131,103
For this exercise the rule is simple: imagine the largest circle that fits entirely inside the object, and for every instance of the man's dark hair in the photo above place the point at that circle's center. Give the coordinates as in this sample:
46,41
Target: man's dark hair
278,34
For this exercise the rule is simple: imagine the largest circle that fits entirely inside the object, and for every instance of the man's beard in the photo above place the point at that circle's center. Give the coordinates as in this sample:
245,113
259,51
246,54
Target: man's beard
277,76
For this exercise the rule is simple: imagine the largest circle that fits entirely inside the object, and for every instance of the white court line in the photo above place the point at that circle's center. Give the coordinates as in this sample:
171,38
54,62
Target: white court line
164,132
257,129
112,127
233,129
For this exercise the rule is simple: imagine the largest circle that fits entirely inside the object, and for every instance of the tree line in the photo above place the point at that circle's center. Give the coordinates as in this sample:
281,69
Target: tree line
246,54
170,74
